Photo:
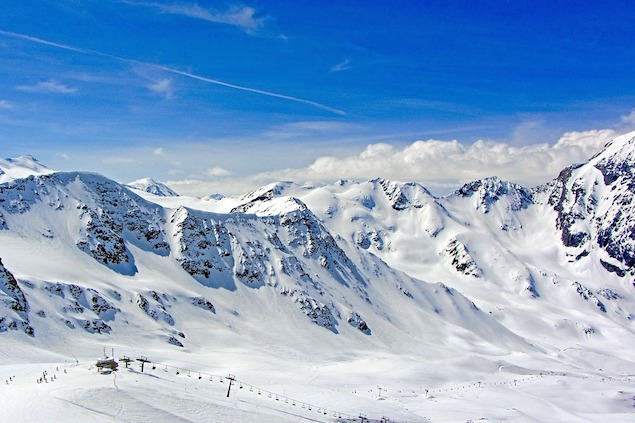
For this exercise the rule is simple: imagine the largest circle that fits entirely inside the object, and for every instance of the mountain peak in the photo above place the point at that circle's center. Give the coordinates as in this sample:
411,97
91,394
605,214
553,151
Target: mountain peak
21,167
151,186
490,190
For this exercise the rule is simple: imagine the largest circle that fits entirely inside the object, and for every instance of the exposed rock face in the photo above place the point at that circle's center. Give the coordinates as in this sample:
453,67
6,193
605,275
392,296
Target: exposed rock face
595,206
461,259
14,296
318,312
489,191
403,196
156,308
586,293
204,243
357,322
13,299
108,214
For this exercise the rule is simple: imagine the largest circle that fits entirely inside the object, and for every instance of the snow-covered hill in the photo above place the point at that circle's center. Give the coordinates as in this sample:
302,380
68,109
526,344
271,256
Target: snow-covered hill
348,286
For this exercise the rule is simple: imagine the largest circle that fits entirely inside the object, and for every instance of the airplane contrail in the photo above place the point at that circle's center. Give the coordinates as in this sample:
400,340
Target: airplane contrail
172,70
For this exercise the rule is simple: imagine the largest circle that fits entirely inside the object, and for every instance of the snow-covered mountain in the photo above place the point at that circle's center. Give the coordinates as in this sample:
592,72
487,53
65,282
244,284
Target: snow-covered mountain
21,167
492,276
153,187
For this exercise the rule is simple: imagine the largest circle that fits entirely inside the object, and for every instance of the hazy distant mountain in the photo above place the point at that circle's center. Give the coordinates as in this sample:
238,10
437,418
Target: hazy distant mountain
21,167
153,187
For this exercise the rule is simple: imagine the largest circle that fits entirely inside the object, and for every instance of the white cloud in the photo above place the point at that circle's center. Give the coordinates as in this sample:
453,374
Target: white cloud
163,87
6,105
242,17
47,87
441,164
342,66
629,119
218,171
158,151
52,86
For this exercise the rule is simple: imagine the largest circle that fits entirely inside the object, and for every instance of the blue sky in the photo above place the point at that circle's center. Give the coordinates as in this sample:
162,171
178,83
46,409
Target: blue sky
235,94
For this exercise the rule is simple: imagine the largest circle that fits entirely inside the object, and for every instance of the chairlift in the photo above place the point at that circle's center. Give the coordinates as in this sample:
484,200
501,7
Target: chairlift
251,388
199,376
269,394
166,368
188,374
259,393
153,366
277,398
210,378
177,371
286,400
241,385
221,379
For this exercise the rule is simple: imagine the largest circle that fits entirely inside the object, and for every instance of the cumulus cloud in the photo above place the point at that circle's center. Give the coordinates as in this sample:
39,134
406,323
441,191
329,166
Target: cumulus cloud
444,164
440,165
242,17
47,87
158,151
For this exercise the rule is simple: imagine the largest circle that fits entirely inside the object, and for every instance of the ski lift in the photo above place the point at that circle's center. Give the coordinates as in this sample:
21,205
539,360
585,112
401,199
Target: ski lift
259,393
277,398
286,400
269,394
241,385
293,403
177,371
154,366
210,378
251,388
221,379
199,376
188,374
166,368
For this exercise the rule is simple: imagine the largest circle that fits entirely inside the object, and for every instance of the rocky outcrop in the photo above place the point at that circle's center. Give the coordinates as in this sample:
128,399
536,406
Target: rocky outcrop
460,259
14,301
492,190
